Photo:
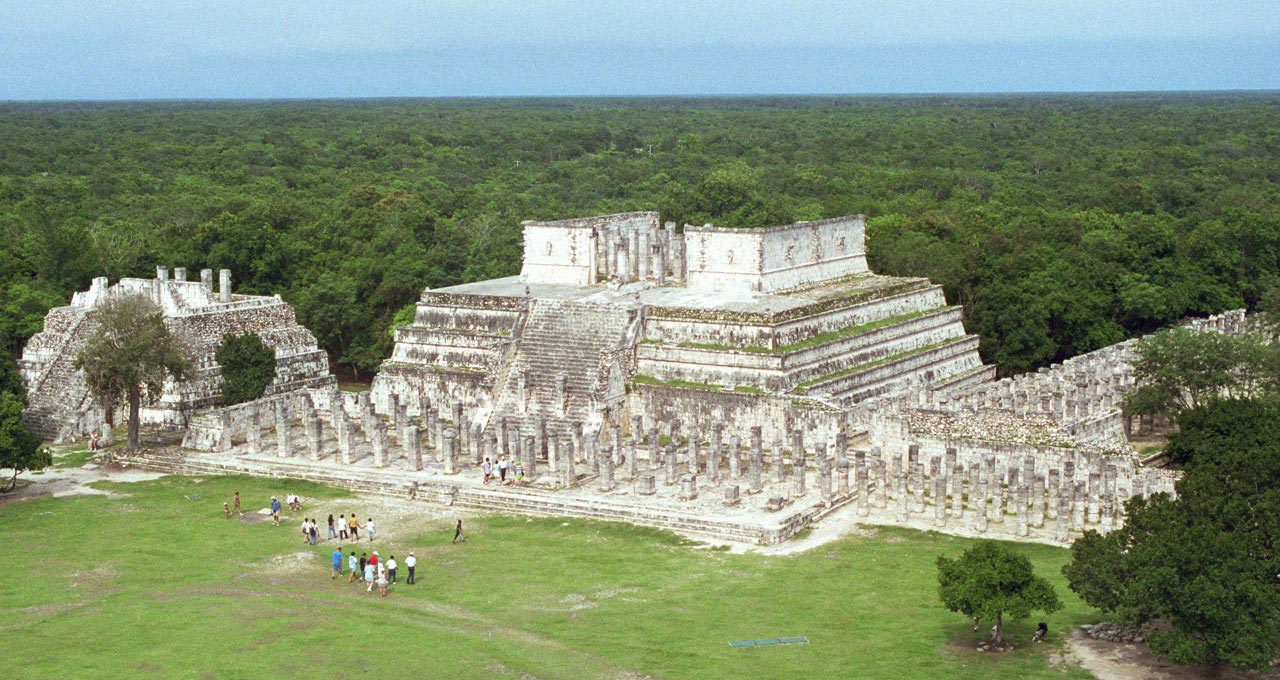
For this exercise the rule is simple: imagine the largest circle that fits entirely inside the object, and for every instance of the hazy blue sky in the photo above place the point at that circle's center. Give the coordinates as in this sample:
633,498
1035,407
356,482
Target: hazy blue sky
113,49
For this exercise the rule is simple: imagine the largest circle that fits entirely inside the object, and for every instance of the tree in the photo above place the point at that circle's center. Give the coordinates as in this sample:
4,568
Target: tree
1205,562
19,449
989,581
129,355
248,366
1180,369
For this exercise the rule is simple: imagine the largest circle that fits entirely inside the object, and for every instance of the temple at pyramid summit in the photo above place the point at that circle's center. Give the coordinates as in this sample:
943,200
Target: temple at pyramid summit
619,317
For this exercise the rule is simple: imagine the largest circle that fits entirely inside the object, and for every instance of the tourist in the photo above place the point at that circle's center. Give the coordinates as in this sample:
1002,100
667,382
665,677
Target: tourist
364,561
315,531
382,580
332,533
237,505
487,468
519,467
502,470
275,509
391,568
226,511
354,525
457,533
93,442
306,530
337,563
368,577
374,558
410,562
1041,631
368,529
342,527
352,565
294,502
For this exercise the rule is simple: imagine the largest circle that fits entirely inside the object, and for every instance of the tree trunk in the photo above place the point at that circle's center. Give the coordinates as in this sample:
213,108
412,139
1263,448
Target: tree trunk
1000,628
135,400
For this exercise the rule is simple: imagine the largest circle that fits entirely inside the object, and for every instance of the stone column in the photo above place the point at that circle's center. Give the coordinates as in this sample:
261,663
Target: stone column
688,488
713,453
282,428
735,465
757,459
670,455
567,466
652,438
957,491
1062,532
553,453
253,429
862,484
346,441
775,460
900,482
824,472
980,507
629,452
695,440
527,456
1024,494
939,501
313,436
606,470
412,446
1037,501
224,285
378,441
798,462
450,452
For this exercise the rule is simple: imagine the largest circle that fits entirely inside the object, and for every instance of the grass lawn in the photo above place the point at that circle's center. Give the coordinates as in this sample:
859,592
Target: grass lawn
155,583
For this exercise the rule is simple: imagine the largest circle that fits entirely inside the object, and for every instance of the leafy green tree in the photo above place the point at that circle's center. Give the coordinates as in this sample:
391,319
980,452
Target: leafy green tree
989,581
129,355
248,366
19,449
1180,369
1205,562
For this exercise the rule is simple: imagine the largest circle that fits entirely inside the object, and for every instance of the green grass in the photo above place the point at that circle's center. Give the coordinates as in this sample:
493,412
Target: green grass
157,584
73,456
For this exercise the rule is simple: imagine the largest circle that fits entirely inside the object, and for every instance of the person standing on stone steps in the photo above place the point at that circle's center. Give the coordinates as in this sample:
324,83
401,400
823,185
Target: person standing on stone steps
502,470
457,533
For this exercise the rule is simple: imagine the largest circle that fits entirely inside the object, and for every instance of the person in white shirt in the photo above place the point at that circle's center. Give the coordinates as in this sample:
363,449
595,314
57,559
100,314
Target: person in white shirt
391,569
410,562
368,527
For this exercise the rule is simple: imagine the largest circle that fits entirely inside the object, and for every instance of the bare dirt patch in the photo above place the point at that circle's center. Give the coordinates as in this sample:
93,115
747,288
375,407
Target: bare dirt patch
1127,661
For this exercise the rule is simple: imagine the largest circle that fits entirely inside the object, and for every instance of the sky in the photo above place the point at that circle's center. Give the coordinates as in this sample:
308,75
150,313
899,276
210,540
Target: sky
191,49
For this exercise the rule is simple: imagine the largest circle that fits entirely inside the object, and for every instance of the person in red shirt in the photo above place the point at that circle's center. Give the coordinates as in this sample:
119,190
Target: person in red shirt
374,560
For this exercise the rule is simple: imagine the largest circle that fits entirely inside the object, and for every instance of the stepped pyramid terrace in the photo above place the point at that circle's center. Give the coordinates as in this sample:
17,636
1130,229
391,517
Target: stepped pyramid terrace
59,404
740,384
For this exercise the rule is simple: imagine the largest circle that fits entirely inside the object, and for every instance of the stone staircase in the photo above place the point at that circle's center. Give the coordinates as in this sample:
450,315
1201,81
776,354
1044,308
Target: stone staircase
567,338
57,398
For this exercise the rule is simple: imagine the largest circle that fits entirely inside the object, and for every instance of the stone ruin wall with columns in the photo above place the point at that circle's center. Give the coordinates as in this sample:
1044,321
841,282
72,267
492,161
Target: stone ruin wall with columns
59,404
731,411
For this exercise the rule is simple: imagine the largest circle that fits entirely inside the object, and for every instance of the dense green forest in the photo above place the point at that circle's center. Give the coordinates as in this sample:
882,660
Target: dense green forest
1062,223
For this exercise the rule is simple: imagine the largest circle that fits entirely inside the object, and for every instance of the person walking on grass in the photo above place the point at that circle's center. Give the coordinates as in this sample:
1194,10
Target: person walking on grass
364,562
382,580
337,563
332,533
237,505
315,531
410,562
275,510
353,566
368,529
354,525
226,511
306,530
457,533
368,577
391,569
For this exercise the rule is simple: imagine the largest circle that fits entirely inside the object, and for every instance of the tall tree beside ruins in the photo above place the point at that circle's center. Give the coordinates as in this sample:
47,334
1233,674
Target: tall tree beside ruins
248,366
1205,562
990,581
129,356
19,449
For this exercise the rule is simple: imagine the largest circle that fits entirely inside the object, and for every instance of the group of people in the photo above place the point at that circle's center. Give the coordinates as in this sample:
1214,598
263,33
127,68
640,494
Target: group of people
373,571
502,470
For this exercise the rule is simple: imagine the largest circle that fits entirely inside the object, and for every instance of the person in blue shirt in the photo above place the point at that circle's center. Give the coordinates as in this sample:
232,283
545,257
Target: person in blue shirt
337,563
275,510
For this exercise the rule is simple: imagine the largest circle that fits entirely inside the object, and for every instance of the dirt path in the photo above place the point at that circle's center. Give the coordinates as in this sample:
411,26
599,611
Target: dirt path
73,481
1119,661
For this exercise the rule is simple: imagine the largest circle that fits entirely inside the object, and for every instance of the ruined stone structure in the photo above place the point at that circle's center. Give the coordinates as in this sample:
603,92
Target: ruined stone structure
741,384
59,404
